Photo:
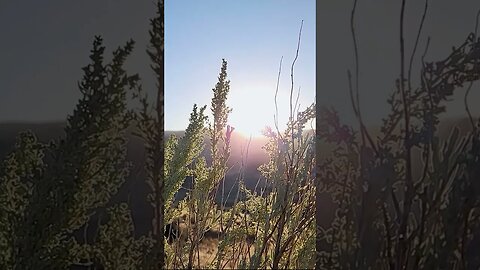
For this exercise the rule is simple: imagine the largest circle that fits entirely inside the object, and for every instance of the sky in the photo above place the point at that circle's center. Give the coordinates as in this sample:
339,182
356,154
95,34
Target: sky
252,36
46,43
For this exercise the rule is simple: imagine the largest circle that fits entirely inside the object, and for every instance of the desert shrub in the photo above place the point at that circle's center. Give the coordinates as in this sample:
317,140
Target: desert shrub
409,198
269,227
49,191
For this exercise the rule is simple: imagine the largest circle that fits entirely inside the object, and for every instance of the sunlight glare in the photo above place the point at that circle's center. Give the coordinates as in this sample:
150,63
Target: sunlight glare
254,109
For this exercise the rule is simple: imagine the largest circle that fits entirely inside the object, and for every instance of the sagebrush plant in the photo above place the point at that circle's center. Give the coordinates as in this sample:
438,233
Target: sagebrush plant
49,191
150,127
410,198
269,227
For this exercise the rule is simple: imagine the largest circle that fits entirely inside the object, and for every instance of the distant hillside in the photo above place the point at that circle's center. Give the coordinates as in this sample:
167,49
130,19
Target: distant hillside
256,155
135,189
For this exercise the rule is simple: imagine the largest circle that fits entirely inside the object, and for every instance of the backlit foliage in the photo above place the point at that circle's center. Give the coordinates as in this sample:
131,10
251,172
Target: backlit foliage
390,214
49,192
268,227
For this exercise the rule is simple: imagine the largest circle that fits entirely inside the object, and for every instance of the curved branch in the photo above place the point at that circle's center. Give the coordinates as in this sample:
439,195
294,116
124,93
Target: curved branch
425,9
465,98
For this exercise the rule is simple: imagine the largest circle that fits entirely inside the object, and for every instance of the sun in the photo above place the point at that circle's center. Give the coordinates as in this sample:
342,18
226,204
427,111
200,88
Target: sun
253,108
251,111
248,130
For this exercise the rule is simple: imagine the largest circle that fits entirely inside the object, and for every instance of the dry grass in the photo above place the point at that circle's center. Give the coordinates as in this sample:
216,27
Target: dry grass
208,246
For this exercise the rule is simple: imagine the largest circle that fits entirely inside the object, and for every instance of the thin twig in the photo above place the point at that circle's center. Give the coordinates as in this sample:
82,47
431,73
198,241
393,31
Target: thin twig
425,9
402,245
363,130
275,116
357,64
465,98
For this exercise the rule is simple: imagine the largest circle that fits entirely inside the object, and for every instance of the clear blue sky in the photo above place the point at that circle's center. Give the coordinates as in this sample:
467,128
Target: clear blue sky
252,36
